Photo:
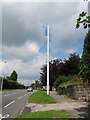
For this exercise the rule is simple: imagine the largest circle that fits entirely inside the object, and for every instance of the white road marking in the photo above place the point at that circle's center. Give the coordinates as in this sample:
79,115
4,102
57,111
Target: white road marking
9,104
13,93
6,94
20,97
25,94
0,116
5,116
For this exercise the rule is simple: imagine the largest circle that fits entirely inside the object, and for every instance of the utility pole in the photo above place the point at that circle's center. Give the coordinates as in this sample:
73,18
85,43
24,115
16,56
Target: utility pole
47,59
3,77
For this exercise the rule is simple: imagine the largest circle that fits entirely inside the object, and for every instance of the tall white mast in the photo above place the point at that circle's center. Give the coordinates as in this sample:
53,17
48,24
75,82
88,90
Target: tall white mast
47,59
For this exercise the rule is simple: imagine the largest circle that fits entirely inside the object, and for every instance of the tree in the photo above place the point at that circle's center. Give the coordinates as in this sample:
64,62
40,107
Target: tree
83,19
85,59
36,85
33,85
13,76
58,67
70,66
54,72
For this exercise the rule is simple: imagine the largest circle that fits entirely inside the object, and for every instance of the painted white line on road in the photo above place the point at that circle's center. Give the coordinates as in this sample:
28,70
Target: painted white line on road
9,104
5,116
20,97
13,93
6,94
25,94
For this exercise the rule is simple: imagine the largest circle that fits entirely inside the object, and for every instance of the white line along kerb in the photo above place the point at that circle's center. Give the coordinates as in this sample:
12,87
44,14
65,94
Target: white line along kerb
9,104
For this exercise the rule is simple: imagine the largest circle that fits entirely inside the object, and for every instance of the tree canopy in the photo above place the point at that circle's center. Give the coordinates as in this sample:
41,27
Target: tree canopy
36,85
58,68
13,76
85,59
84,65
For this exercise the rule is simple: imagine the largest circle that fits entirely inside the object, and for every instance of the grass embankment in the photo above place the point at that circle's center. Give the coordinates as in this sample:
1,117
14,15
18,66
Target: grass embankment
41,97
68,84
45,114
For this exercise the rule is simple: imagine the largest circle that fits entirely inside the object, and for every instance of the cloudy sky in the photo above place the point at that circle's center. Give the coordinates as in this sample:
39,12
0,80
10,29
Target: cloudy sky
24,37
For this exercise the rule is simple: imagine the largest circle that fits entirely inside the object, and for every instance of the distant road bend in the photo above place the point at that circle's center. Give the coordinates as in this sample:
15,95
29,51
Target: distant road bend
13,102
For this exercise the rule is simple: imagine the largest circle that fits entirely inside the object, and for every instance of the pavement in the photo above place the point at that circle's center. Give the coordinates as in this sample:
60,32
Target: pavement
13,102
77,109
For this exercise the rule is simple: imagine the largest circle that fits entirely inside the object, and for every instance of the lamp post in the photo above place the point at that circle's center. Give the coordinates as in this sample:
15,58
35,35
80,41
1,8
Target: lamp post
47,59
2,78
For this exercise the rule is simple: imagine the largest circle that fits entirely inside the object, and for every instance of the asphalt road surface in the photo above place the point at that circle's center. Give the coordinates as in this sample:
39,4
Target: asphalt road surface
13,102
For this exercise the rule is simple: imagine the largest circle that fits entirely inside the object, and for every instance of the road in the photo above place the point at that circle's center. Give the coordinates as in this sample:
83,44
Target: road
13,102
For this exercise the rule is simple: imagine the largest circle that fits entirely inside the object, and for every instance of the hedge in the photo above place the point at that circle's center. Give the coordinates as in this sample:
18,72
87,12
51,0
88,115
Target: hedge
10,84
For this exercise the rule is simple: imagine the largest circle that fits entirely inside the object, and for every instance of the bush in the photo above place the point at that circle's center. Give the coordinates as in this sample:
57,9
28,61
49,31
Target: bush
10,84
62,79
60,90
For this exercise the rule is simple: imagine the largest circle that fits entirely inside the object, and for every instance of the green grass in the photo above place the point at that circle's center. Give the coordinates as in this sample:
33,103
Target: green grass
45,114
65,96
72,83
41,97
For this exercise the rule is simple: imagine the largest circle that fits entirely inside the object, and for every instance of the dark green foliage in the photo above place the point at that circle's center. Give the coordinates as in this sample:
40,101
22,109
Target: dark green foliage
85,59
60,90
70,66
13,76
85,20
36,85
58,67
62,79
9,84
33,85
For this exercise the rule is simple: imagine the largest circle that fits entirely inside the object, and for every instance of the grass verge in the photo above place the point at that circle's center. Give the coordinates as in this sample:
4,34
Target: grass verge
73,83
42,115
41,97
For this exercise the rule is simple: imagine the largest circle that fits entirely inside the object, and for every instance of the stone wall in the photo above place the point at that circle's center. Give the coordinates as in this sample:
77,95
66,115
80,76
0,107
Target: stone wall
79,91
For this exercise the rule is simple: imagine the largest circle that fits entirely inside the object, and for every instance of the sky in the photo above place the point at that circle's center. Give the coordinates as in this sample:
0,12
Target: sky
24,36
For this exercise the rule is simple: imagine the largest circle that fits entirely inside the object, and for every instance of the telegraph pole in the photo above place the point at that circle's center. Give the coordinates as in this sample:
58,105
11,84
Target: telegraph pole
47,59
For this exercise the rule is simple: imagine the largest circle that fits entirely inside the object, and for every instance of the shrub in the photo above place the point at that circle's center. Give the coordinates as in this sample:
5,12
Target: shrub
62,79
60,90
9,84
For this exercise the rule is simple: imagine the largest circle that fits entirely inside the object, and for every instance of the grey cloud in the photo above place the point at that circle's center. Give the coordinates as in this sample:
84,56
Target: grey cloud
19,26
22,21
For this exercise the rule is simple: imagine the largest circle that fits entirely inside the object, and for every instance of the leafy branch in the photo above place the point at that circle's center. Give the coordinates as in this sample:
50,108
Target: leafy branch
85,20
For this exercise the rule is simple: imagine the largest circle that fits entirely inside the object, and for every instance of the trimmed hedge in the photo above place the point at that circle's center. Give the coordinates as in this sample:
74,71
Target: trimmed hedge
10,84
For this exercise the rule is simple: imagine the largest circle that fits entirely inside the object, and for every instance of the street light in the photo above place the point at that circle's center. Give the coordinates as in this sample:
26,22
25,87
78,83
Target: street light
2,78
47,59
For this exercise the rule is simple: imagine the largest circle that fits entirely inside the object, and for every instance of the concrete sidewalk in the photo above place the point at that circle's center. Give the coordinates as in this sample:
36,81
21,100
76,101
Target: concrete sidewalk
75,108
